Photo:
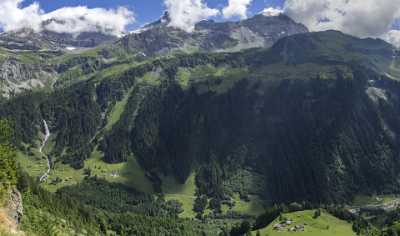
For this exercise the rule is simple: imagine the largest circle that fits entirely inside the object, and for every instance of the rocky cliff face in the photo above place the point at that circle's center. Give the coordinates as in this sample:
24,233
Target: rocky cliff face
11,214
259,31
16,76
15,206
27,39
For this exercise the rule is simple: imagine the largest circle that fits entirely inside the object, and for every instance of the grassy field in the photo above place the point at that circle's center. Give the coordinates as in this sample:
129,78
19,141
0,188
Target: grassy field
254,207
362,200
184,193
37,165
34,165
150,78
116,111
65,174
325,225
129,173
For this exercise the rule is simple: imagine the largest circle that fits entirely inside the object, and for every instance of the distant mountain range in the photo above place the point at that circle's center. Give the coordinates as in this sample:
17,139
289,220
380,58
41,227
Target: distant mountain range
154,39
27,39
159,38
258,31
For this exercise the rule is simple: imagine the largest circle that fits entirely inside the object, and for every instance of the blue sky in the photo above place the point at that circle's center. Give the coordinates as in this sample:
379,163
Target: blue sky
145,10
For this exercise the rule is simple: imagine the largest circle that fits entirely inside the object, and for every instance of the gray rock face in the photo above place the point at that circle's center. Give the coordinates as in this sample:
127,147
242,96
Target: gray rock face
259,31
11,214
16,77
27,39
15,206
83,40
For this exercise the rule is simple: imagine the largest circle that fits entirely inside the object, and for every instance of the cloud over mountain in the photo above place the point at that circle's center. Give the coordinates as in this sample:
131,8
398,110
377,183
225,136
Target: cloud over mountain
82,19
236,8
364,18
185,14
12,17
393,36
271,11
72,20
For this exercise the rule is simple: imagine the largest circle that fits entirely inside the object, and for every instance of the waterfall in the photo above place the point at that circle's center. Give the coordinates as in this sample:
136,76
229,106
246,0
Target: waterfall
46,138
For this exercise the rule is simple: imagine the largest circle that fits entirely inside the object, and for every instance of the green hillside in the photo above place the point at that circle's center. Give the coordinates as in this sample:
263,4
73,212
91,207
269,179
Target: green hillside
184,193
324,225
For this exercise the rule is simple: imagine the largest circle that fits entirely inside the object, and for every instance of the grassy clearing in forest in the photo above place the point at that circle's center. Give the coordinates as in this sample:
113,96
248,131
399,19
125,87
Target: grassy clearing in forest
184,193
129,173
362,200
116,111
253,207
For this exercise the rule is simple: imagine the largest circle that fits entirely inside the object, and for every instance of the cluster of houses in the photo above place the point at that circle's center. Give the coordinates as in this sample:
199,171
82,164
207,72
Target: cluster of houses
289,226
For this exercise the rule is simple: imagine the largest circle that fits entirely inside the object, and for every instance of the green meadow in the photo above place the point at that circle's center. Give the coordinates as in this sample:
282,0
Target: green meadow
325,225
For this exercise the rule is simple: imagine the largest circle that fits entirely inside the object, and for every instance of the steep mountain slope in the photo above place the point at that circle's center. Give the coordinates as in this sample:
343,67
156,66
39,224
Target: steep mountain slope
27,58
27,39
25,71
311,124
314,118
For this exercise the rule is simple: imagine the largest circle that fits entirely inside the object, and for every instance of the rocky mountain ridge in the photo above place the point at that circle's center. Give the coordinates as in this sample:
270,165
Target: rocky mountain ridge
17,76
31,60
27,39
260,31
11,214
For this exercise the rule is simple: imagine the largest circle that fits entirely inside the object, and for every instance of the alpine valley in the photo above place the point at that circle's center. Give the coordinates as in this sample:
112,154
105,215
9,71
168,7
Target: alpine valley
252,127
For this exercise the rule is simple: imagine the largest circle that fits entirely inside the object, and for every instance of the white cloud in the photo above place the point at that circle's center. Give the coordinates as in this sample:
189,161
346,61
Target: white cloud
364,18
12,17
393,36
272,11
185,14
236,8
82,19
72,20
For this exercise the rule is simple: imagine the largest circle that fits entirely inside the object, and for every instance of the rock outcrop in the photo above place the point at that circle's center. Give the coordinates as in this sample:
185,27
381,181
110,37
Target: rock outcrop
27,39
16,76
11,214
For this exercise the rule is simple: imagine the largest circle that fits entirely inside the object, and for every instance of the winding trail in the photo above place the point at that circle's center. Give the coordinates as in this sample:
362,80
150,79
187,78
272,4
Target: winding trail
46,138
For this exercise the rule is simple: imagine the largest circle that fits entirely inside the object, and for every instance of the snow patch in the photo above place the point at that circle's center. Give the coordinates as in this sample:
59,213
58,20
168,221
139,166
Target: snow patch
376,94
271,11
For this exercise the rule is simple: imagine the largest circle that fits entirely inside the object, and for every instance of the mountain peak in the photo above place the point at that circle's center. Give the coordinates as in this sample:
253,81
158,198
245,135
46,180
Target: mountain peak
166,18
258,31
